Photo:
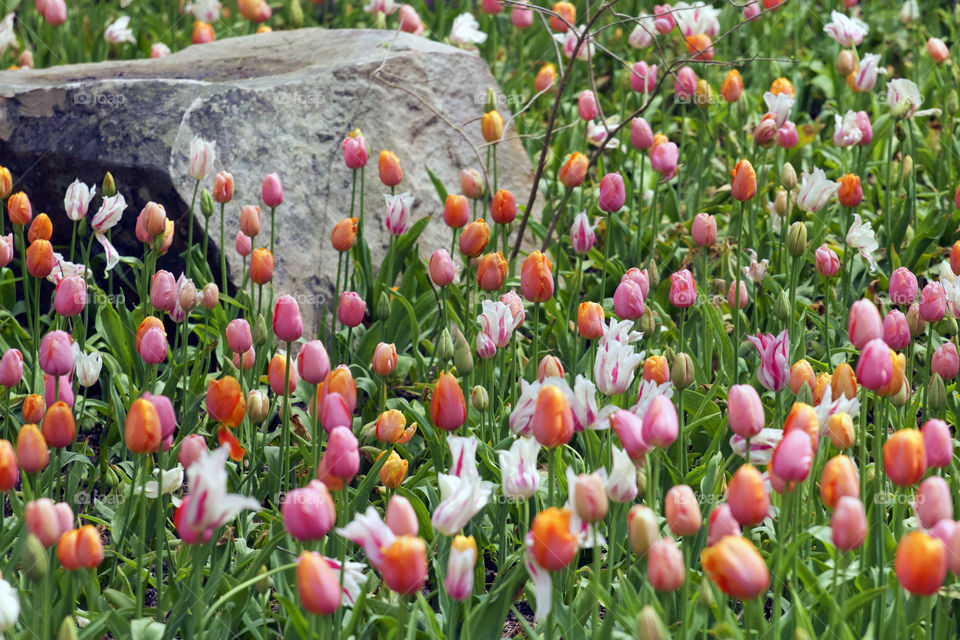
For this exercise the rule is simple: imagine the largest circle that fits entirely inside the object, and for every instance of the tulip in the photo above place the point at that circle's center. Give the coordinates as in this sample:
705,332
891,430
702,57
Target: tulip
656,370
704,230
33,408
920,563
309,513
384,359
163,291
745,411
344,234
317,583
243,244
400,517
225,401
945,361
641,135
343,457
721,523
938,50
9,469
261,266
460,567
685,86
903,286
553,545
628,300
732,86
143,430
287,322
536,278
19,209
733,295
48,520
663,159
56,353
612,193
904,457
839,479
793,457
190,450
239,337
474,238
744,184
844,382
948,532
59,427
391,173
875,368
735,566
250,220
491,271
40,258
574,170
932,302
276,371
582,236
665,566
629,428
404,565
549,367
937,444
801,373
660,423
471,184
566,16
552,419
32,449
682,511
40,228
933,502
11,368
747,496
590,320
850,193
828,264
271,191
683,290
6,250
448,408
398,216
896,332
351,309
355,152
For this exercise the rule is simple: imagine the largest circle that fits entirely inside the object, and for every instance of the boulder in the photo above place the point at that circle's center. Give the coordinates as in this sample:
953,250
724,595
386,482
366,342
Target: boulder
280,101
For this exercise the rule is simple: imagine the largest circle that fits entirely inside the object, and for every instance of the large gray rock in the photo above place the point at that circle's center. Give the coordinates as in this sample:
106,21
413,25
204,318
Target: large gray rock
279,101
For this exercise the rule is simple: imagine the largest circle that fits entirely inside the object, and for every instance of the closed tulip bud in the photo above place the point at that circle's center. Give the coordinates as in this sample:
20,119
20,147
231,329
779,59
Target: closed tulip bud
665,566
650,626
35,560
587,107
404,565
33,408
355,152
745,411
400,517
589,496
628,300
209,296
261,266
918,326
448,408
839,478
553,545
846,62
275,374
491,271
223,187
271,190
441,268
765,131
462,356
250,219
937,443
444,350
920,563
188,296
844,382
6,250
318,585
9,469
797,239
40,228
864,323
474,238
351,309
552,418
394,470
549,367
11,368
682,511
344,234
574,170
642,529
471,184
683,289
503,207
59,427
163,291
682,371
590,320
788,176
243,244
384,359
536,278
342,455
904,458
722,523
801,373
793,457
945,362
704,229
733,296
850,193
953,102
492,126
32,449
56,353
40,258
612,193
848,524
841,431
747,496
287,321
143,430
6,182
736,567
933,502
206,203
932,302
828,264
19,209
647,323
732,86
70,296
744,182
391,173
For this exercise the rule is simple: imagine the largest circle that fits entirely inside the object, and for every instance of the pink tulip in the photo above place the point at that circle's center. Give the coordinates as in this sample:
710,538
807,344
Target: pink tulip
704,229
56,353
239,337
441,268
937,443
644,77
732,292
11,368
628,300
866,130
683,290
948,532
70,296
666,570
245,360
664,21
664,158
309,513
751,11
765,132
313,363
686,84
745,411
933,303
946,361
587,107
351,310
153,346
774,371
874,367
287,321
400,517
342,455
335,412
55,12
641,277
168,418
641,135
163,291
271,191
355,152
243,244
521,16
828,264
903,286
896,332
191,449
50,389
629,428
410,20
6,250
848,524
933,502
721,523
864,323
793,456
48,520
938,50
787,136
612,193
682,511
660,423
582,236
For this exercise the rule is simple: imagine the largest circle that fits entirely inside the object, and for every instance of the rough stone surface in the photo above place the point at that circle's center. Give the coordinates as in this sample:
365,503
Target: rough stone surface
279,102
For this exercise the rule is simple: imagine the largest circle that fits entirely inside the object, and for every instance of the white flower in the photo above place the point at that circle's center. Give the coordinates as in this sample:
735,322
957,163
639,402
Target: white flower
583,404
828,406
619,332
815,190
614,366
587,534
761,446
756,270
63,268
398,212
178,314
159,50
461,498
386,7
903,97
780,105
368,530
209,505
353,579
170,481
909,12
569,40
775,218
9,606
522,414
621,483
466,32
860,237
951,285
519,477
866,76
642,35
696,18
119,32
464,457
7,35
542,581
202,156
77,200
87,366
648,391
111,210
597,132
847,31
498,322
205,10
846,130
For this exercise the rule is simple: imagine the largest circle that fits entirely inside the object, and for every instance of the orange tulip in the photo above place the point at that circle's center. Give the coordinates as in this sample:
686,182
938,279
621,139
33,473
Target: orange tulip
32,449
744,184
655,368
393,471
552,417
850,193
448,408
456,211
6,182
318,584
67,550
536,278
841,430
574,170
225,401
803,416
19,209
59,427
844,382
226,438
781,85
474,238
821,387
390,428
801,373
9,469
839,478
491,125
554,547
921,563
142,431
33,408
404,565
747,496
955,258
503,207
150,322
566,14
904,457
339,380
899,379
735,565
545,77
40,228
732,86
261,265
203,32
491,271
590,320
40,258
344,234
384,360
391,173
89,547
700,46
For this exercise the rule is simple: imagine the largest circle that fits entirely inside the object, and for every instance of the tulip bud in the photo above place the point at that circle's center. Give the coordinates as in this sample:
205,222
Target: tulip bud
34,561
841,430
797,239
444,347
295,14
479,398
650,626
846,62
918,326
642,528
782,307
936,392
788,176
780,203
68,630
462,356
382,308
258,405
206,203
260,331
953,103
647,322
682,372
109,186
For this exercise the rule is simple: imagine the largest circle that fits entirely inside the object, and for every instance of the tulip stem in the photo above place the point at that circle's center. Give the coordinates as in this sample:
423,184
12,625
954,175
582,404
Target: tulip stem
37,379
206,243
536,337
285,432
161,526
223,253
826,321
552,474
735,371
21,249
142,515
193,202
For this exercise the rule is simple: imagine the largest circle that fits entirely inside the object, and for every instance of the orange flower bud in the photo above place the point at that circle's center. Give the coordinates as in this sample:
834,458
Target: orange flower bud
590,319
744,184
700,46
59,427
736,567
839,478
492,126
261,265
899,362
33,408
393,471
384,358
40,228
904,457
566,14
6,182
844,382
552,417
344,234
456,211
9,469
19,209
142,432
32,449
448,408
67,550
40,258
732,86
536,278
804,417
225,401
781,85
656,368
89,549
503,207
203,33
821,387
391,173
318,584
404,565
491,271
921,563
841,430
850,193
574,170
474,238
545,77
390,428
955,258
554,547
801,373
339,380
747,496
